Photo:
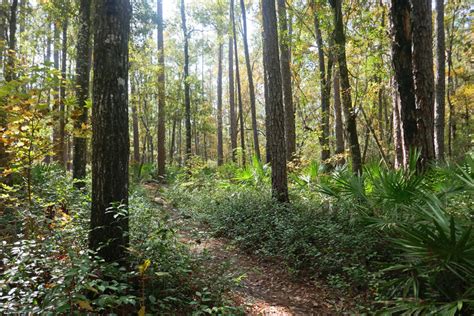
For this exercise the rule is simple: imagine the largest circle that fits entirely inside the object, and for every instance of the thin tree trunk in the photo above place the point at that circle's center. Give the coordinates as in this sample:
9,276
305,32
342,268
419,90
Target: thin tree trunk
110,140
220,143
397,129
253,110
187,100
451,90
62,153
172,143
83,65
136,132
285,60
440,81
180,142
338,125
274,101
161,93
10,66
233,119
423,77
237,78
3,30
351,124
56,105
325,92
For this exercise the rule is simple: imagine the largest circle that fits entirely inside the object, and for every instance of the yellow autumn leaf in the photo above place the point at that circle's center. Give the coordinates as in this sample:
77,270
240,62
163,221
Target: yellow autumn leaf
141,312
85,305
143,267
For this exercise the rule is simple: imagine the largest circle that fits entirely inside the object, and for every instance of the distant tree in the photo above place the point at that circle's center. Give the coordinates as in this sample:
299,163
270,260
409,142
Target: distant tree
338,125
232,115
220,142
253,110
161,93
62,152
350,118
274,102
237,79
110,140
83,65
325,91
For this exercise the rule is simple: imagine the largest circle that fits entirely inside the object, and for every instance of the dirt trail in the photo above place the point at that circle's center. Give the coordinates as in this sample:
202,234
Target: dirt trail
266,287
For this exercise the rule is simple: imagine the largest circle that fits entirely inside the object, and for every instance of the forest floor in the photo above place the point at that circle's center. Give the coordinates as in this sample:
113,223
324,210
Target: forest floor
265,287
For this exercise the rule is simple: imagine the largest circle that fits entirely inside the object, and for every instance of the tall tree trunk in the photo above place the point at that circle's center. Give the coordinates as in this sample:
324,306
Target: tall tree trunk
423,77
10,66
220,143
9,69
451,90
3,30
62,153
233,118
136,132
110,140
57,101
285,60
253,110
440,81
237,78
180,142
402,64
161,93
172,142
274,101
351,124
338,125
83,61
397,129
187,100
325,93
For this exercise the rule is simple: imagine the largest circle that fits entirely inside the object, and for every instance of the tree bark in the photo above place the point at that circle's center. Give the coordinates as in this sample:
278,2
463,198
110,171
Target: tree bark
397,129
110,141
325,93
351,124
83,64
422,39
10,66
440,81
172,142
57,101
187,100
136,132
253,110
237,78
402,64
62,152
338,125
220,143
274,102
233,119
285,61
161,93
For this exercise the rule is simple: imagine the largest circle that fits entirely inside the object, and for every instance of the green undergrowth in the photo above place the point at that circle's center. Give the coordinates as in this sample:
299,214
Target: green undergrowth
46,267
401,238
